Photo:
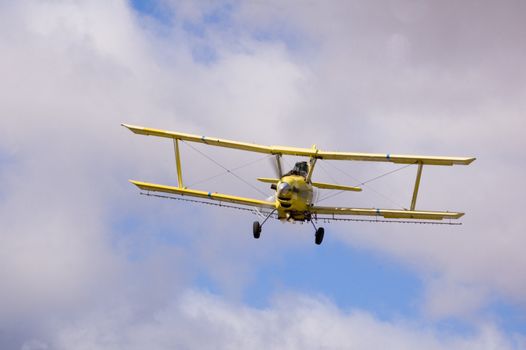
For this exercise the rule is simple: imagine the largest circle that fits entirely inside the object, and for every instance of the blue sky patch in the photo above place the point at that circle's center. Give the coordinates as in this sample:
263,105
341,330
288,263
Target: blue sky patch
351,278
154,9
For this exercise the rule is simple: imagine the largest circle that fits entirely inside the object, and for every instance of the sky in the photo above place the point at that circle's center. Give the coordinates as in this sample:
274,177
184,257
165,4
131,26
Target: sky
86,262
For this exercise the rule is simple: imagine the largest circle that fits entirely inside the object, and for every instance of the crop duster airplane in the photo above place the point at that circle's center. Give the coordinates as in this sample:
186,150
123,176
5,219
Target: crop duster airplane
293,200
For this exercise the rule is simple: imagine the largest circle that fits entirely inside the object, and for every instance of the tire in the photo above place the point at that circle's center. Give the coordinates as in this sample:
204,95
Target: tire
318,237
256,229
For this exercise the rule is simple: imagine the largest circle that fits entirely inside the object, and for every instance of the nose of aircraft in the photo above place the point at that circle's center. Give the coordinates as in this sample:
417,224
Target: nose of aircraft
284,190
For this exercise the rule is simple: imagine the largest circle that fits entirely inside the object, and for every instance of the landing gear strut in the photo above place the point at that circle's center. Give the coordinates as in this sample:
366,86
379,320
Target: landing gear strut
318,236
256,226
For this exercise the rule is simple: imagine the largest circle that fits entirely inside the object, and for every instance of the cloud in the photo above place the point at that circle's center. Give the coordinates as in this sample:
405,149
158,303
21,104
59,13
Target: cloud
72,72
432,77
293,322
410,77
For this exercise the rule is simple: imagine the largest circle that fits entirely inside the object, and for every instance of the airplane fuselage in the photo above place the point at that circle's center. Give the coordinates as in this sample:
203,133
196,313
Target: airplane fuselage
293,198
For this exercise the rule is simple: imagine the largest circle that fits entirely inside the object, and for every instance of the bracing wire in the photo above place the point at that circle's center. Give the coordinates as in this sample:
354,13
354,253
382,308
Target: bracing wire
226,172
363,183
229,171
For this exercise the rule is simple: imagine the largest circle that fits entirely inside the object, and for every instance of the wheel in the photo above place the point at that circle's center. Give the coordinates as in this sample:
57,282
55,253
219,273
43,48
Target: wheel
318,237
256,229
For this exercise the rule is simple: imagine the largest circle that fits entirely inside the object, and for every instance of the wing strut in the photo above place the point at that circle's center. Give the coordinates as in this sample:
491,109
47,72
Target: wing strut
178,164
417,184
312,163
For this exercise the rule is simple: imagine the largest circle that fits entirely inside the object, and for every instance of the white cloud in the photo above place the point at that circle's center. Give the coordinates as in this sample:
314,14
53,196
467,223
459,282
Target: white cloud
292,322
427,77
73,71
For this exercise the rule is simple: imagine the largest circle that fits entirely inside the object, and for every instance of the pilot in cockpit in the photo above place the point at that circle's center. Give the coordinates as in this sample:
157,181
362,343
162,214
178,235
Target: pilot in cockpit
300,168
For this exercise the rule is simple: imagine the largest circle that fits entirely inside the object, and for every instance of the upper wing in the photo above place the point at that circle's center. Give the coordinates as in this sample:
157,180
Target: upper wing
305,152
388,213
202,194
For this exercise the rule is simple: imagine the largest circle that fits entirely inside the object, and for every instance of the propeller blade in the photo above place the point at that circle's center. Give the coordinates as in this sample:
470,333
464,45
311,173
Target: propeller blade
277,166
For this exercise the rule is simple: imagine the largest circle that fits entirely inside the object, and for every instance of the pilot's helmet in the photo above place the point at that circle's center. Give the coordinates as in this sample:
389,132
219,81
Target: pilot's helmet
301,168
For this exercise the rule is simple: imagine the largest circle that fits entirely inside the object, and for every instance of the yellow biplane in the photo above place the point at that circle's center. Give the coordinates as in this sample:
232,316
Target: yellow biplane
293,200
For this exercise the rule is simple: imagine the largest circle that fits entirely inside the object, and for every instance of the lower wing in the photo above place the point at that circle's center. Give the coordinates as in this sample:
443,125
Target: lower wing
203,194
388,213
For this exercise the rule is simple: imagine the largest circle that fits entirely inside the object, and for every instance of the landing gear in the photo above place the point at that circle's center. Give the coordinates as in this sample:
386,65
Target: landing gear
318,236
256,226
256,229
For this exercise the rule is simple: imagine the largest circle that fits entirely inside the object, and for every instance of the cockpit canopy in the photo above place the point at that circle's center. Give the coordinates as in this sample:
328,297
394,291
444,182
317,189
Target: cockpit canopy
300,168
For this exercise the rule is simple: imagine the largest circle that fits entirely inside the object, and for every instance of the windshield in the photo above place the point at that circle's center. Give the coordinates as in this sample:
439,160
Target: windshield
300,168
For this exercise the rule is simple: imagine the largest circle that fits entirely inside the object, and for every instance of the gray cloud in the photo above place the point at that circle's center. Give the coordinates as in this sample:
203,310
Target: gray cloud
293,322
440,78
394,76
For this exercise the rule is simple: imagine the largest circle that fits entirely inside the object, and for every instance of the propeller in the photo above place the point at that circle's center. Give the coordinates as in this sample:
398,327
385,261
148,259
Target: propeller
278,171
277,166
